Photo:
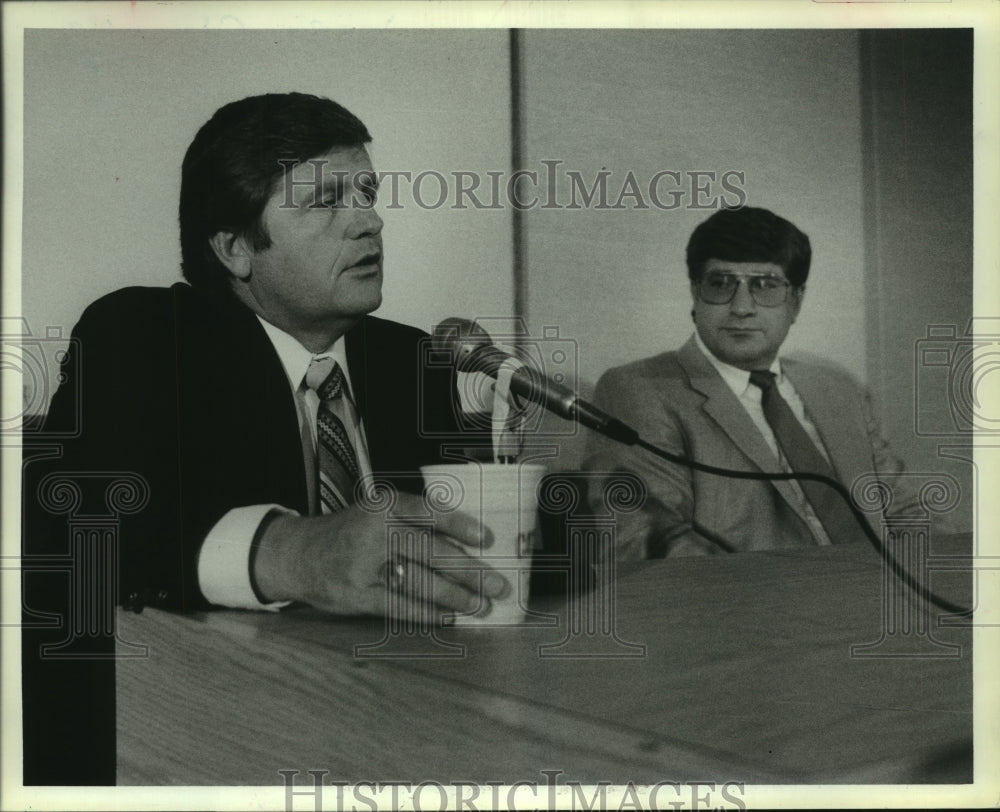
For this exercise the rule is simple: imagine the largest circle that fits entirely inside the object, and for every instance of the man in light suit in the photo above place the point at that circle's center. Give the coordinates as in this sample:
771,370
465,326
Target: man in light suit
747,269
202,394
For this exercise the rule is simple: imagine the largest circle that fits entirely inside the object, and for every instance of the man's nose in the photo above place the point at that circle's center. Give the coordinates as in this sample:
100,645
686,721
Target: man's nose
742,303
365,223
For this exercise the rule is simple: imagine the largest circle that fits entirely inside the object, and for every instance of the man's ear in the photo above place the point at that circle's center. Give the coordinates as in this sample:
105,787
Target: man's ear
233,252
694,300
798,294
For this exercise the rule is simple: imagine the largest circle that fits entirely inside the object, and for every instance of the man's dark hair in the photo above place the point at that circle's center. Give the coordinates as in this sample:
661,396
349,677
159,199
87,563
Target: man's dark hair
232,168
750,235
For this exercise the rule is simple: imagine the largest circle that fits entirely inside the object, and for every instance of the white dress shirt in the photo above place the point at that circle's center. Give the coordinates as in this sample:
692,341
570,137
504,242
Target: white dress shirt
750,397
223,564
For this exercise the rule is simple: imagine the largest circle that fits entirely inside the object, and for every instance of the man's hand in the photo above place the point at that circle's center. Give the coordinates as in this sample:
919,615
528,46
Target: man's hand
335,562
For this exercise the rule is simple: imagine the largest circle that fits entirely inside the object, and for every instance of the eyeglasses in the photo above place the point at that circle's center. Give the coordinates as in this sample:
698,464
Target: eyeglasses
718,287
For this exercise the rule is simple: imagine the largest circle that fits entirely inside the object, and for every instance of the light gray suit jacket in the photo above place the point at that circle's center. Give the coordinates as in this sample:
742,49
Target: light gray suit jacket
679,402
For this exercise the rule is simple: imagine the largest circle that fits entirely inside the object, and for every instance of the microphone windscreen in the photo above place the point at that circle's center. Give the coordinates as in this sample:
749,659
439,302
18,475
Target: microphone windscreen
462,340
453,332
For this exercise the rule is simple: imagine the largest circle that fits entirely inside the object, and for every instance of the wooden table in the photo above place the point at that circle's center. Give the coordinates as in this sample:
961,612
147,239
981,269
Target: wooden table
752,667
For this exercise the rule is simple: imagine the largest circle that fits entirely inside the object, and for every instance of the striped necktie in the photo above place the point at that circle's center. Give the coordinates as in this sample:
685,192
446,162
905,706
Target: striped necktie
804,457
338,462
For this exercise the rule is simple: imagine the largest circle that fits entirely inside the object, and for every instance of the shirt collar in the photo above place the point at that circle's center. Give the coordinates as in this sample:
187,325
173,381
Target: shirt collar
295,358
736,379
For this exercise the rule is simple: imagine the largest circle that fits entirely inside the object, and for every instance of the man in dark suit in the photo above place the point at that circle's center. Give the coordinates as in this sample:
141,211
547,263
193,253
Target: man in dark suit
201,388
253,409
707,401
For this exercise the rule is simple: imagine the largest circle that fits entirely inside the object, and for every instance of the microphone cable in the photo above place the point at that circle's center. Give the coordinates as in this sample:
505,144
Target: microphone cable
922,590
471,350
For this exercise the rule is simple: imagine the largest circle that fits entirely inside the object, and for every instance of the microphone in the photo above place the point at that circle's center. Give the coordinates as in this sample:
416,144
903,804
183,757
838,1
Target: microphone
472,350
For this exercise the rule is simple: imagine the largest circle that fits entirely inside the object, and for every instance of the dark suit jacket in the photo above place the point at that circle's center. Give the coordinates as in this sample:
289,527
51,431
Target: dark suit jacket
182,396
678,401
186,390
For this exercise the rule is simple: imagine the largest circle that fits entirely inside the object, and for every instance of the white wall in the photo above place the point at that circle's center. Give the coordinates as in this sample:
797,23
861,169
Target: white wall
109,114
781,106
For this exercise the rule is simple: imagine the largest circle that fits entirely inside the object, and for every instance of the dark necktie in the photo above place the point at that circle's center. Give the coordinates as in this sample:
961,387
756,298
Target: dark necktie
338,462
804,457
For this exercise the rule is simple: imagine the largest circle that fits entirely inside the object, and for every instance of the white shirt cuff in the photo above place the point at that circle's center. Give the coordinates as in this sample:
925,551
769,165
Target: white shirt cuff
224,561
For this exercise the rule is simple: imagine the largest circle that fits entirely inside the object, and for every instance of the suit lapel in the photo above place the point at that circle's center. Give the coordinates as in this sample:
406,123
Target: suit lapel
236,390
373,374
722,406
396,396
275,422
356,342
